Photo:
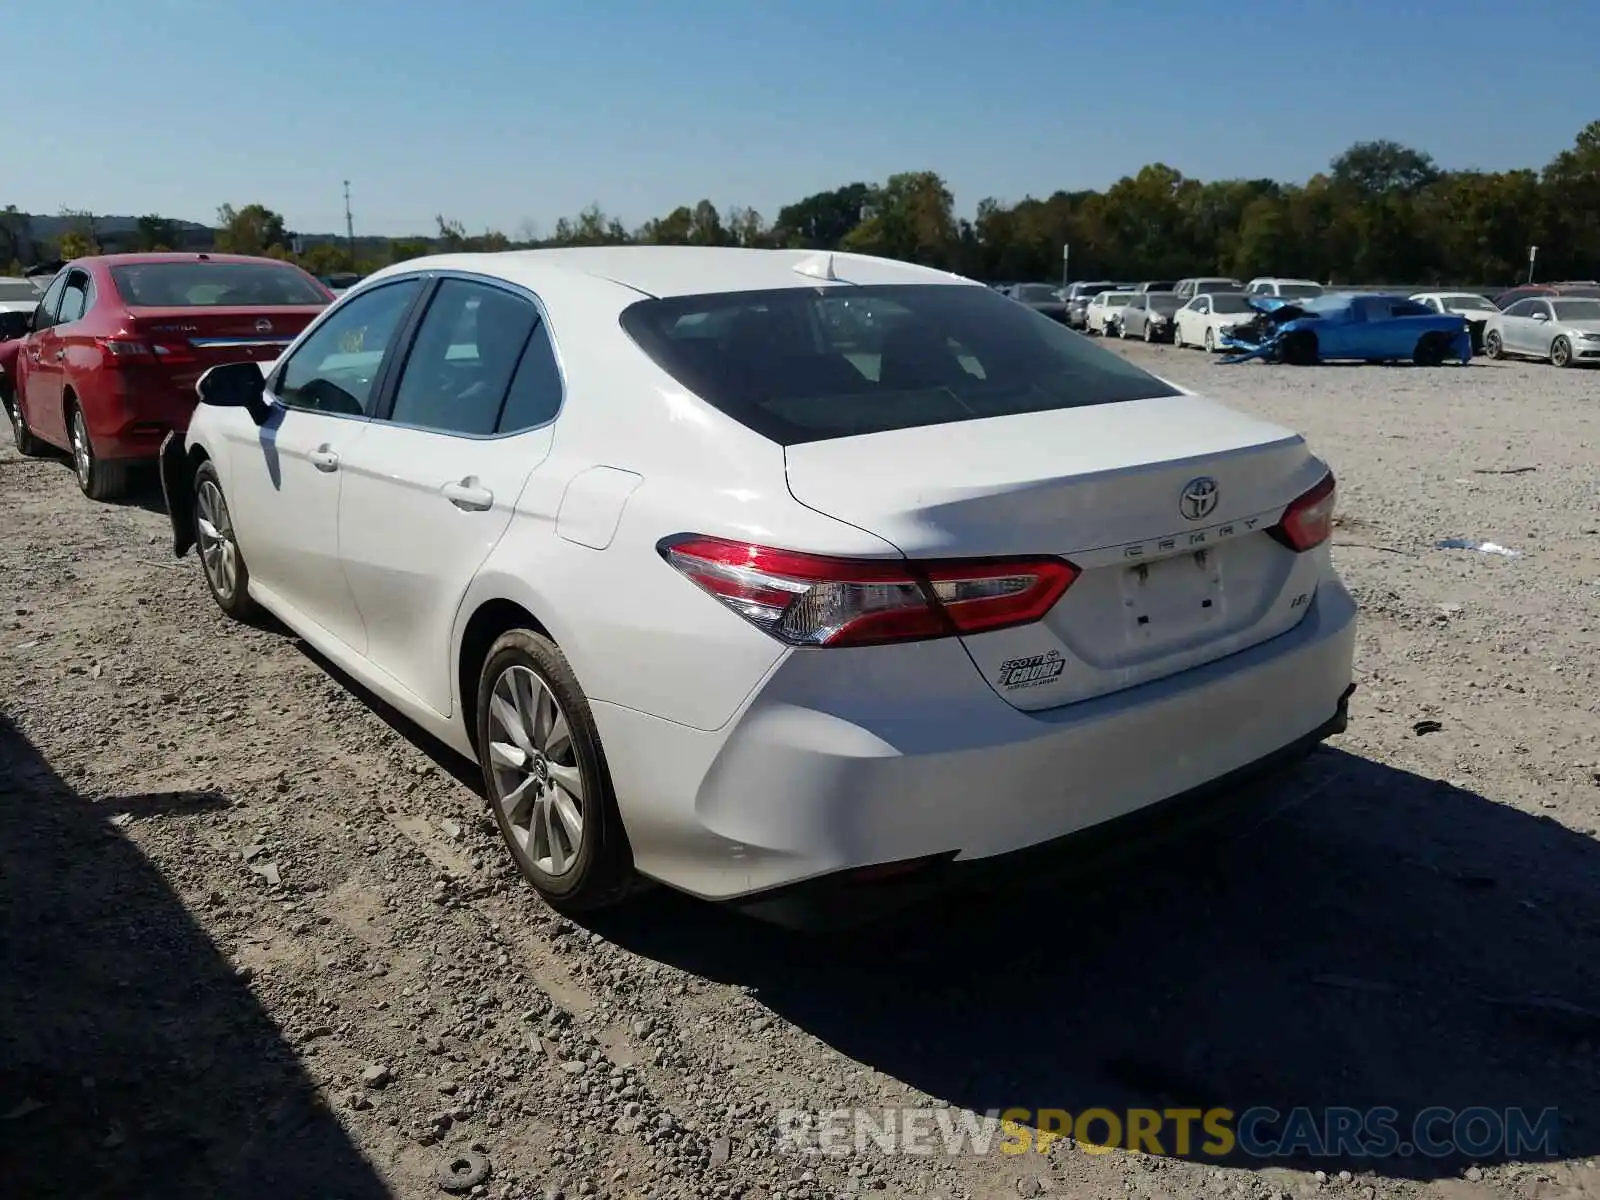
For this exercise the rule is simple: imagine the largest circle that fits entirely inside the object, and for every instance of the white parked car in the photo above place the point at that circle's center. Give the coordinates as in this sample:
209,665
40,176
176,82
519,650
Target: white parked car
1101,315
1291,289
1564,330
1208,316
746,569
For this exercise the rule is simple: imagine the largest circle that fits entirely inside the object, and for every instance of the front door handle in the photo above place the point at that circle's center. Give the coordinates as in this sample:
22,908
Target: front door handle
468,495
324,459
60,354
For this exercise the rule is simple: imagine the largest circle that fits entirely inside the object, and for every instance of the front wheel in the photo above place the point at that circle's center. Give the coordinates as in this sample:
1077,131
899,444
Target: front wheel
1210,342
227,576
545,775
99,480
1561,352
27,445
1149,333
1492,345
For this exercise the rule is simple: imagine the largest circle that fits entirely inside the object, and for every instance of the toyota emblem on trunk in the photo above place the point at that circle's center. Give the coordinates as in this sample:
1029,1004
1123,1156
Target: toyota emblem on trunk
1198,498
263,326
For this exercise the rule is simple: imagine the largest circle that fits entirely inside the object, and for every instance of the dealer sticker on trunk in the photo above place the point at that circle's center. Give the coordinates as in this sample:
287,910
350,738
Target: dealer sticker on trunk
1032,671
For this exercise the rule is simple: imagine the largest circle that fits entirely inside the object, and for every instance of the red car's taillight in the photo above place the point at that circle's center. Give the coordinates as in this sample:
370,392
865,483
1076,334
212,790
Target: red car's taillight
1308,521
815,600
128,351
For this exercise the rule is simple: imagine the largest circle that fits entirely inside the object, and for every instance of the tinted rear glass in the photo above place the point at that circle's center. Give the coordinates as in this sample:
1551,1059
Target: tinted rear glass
802,364
214,285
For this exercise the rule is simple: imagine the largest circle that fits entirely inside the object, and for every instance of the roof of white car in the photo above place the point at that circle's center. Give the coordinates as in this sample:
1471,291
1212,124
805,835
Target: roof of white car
686,270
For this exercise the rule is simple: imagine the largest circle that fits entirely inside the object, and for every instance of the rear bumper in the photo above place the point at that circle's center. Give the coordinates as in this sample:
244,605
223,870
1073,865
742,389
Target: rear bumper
919,758
849,898
130,417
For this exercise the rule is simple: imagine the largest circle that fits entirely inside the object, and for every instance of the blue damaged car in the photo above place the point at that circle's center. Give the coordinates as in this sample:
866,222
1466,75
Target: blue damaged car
1369,327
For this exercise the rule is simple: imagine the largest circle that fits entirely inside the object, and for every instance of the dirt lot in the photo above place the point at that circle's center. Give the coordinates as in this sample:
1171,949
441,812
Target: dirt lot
259,941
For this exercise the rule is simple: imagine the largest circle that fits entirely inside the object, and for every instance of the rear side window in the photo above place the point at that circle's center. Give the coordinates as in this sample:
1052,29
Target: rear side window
460,366
807,364
202,284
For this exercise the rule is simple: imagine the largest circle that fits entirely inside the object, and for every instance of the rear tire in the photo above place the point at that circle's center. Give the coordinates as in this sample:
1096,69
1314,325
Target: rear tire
221,560
27,445
99,480
545,776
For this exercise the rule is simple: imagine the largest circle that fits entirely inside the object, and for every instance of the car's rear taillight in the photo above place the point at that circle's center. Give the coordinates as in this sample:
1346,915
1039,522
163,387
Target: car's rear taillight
815,600
128,351
1308,521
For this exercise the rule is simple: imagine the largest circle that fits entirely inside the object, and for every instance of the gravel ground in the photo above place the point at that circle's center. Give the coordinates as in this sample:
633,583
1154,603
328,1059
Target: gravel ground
259,939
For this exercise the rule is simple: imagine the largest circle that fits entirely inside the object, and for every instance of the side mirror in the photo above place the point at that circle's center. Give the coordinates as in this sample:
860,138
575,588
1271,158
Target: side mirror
1541,316
236,385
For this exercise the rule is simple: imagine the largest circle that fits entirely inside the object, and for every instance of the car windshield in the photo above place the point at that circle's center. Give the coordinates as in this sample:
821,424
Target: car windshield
1035,292
1227,302
18,291
1163,301
1577,310
1474,303
802,364
1085,291
1301,290
214,285
1218,285
1118,299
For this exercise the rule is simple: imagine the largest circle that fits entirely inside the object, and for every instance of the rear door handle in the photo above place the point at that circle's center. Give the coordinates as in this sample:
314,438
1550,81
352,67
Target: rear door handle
468,496
60,354
324,459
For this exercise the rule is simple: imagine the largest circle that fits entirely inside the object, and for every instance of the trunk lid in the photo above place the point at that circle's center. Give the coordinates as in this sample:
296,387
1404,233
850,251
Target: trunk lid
195,338
1175,572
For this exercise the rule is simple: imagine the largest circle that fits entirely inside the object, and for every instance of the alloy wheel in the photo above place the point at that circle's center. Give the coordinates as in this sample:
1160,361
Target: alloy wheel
537,782
82,453
219,553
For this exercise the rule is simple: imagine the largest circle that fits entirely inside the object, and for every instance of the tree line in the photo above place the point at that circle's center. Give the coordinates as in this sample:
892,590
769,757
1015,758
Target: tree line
1380,213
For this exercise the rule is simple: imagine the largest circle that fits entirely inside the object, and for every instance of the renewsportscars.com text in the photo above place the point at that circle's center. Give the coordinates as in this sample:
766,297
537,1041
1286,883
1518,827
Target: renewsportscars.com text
1259,1132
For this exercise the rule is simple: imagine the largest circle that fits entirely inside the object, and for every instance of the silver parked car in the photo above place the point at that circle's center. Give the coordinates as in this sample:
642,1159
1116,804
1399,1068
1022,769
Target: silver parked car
1149,316
1562,329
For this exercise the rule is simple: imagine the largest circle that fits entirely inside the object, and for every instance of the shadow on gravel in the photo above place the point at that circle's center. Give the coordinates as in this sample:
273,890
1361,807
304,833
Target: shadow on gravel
1390,941
133,1060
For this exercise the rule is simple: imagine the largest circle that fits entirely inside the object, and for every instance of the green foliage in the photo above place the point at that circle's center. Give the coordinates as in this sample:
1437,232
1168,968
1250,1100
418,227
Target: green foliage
253,229
1381,213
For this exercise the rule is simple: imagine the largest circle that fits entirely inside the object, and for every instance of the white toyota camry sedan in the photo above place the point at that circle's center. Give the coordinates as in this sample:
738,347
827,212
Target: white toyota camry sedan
777,577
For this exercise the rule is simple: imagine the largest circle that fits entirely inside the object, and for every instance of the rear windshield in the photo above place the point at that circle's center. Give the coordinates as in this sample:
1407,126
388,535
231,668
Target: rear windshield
804,365
1035,292
1473,303
214,285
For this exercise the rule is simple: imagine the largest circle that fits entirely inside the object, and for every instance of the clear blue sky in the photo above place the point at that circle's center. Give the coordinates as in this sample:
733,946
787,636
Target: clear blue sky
500,111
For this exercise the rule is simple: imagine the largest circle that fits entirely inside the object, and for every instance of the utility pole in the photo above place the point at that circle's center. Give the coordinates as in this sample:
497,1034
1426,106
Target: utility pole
349,225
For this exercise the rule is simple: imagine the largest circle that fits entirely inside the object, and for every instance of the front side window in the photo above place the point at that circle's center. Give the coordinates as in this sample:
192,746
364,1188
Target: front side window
45,315
1522,308
333,370
786,366
459,368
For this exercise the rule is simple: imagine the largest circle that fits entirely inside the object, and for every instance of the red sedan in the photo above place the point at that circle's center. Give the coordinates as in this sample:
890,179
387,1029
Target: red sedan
115,347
